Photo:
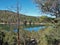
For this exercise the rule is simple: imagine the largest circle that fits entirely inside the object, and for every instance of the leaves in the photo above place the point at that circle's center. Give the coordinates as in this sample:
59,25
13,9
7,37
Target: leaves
49,6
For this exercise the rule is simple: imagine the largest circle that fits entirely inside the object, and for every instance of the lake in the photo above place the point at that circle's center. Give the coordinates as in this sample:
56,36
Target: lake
29,28
35,28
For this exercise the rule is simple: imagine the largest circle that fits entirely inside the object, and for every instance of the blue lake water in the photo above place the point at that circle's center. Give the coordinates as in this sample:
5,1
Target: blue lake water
36,28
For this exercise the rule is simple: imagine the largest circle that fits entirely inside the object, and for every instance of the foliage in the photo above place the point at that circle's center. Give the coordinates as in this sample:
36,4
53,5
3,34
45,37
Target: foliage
50,35
45,19
10,36
11,17
49,6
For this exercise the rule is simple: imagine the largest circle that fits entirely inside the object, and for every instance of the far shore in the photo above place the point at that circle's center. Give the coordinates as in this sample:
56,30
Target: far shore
27,23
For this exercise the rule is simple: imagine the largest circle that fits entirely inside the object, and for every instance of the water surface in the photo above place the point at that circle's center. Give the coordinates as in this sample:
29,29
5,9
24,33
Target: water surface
36,28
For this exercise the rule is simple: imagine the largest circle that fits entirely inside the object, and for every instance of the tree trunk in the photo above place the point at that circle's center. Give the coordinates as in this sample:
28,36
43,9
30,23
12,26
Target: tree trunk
24,42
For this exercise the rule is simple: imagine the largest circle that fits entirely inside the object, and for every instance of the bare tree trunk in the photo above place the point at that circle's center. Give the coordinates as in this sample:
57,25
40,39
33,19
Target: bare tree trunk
24,42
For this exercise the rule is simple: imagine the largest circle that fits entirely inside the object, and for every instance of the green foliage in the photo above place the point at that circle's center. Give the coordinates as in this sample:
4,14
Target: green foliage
7,37
9,17
50,35
45,19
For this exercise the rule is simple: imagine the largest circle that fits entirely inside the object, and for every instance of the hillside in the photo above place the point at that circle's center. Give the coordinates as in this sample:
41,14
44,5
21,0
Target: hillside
9,16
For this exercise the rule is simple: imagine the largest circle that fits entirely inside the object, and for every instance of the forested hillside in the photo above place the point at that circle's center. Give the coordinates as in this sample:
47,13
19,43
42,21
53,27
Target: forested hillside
9,16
